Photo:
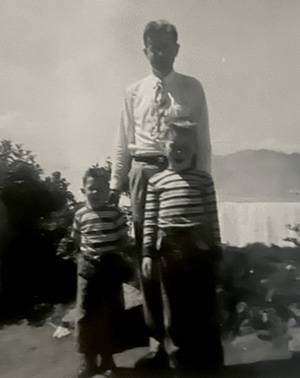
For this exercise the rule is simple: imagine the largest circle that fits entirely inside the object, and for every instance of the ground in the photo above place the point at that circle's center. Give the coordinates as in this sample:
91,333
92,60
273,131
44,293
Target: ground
32,352
28,351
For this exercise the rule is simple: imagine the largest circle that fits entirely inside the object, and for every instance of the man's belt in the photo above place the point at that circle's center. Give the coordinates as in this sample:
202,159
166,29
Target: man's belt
152,160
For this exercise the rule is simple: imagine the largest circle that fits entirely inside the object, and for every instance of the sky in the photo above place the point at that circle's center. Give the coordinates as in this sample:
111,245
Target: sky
64,66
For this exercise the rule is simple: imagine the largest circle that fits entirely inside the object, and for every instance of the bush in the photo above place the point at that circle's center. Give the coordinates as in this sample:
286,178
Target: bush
39,211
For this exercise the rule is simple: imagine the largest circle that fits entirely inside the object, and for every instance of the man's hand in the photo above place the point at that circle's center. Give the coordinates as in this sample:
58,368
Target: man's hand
113,198
147,267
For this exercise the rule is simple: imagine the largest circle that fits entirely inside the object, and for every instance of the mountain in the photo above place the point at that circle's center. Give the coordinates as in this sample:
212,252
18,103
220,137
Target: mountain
257,175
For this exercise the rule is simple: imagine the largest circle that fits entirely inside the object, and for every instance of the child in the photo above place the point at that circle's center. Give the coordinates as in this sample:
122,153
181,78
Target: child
99,230
181,235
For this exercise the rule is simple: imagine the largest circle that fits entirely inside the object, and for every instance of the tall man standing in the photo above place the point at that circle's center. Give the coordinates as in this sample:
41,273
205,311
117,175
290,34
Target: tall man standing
148,106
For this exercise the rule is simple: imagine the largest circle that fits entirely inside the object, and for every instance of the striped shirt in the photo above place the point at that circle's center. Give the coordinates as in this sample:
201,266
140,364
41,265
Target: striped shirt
180,199
99,231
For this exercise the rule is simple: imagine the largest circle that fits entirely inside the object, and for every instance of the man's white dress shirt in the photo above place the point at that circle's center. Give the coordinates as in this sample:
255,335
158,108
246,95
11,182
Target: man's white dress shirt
141,130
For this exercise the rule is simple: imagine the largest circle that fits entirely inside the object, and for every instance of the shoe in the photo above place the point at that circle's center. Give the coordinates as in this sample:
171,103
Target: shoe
107,368
153,361
109,373
86,373
87,367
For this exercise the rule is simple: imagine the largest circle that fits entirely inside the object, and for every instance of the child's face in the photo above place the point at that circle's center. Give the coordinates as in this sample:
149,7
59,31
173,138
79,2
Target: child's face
96,191
180,155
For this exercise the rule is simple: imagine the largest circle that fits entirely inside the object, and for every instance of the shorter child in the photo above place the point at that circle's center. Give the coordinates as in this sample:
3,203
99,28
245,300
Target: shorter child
99,230
181,235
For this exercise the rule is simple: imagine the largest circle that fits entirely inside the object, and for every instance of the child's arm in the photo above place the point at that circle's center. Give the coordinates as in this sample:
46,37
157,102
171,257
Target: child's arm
75,233
150,229
69,244
211,210
150,222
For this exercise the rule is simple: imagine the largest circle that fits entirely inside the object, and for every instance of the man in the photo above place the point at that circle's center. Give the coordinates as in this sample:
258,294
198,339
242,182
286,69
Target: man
148,106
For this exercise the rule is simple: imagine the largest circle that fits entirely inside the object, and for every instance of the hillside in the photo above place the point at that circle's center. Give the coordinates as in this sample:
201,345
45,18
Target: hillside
258,175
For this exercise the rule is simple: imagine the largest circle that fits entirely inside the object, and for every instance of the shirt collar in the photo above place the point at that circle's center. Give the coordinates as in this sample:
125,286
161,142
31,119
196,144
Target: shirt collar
89,207
167,79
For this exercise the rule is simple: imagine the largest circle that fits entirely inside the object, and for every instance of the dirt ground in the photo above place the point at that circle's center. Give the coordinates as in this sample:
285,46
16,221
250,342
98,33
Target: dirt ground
30,351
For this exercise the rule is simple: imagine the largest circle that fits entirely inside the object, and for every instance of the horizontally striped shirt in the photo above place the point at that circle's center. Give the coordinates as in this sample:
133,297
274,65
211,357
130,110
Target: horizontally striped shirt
99,231
180,199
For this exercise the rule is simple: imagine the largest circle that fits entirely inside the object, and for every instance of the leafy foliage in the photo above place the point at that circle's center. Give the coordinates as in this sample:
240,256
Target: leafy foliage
26,194
39,212
17,164
260,288
296,238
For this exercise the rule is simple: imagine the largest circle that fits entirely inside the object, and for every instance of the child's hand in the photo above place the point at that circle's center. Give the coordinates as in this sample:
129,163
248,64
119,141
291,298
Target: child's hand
147,267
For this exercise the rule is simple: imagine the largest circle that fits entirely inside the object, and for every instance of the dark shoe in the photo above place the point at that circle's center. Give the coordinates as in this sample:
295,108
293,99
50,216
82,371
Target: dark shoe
191,363
86,373
109,373
153,361
87,367
107,368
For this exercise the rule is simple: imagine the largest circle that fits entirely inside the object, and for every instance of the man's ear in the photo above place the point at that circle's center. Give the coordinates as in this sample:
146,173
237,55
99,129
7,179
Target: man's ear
177,48
145,52
82,190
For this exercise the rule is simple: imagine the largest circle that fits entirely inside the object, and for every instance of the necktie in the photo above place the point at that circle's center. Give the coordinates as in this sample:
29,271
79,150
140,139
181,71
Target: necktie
161,103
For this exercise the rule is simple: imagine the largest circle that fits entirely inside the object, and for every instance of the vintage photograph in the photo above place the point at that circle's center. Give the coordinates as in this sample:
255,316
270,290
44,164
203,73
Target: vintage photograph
149,188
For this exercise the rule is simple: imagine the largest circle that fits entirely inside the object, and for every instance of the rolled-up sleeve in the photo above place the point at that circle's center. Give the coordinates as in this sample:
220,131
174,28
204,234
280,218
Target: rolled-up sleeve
75,232
121,157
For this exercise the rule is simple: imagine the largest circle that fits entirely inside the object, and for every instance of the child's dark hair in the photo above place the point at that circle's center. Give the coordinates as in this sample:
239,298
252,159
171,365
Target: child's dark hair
154,27
97,173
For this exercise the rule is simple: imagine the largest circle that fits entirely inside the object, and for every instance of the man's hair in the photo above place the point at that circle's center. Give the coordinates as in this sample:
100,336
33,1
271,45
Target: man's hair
96,173
154,27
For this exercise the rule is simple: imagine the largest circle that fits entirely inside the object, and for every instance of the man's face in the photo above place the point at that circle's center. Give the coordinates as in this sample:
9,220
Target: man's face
96,191
161,51
180,155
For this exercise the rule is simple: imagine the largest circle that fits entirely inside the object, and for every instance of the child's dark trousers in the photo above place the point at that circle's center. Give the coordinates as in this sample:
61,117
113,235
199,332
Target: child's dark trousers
189,298
99,306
